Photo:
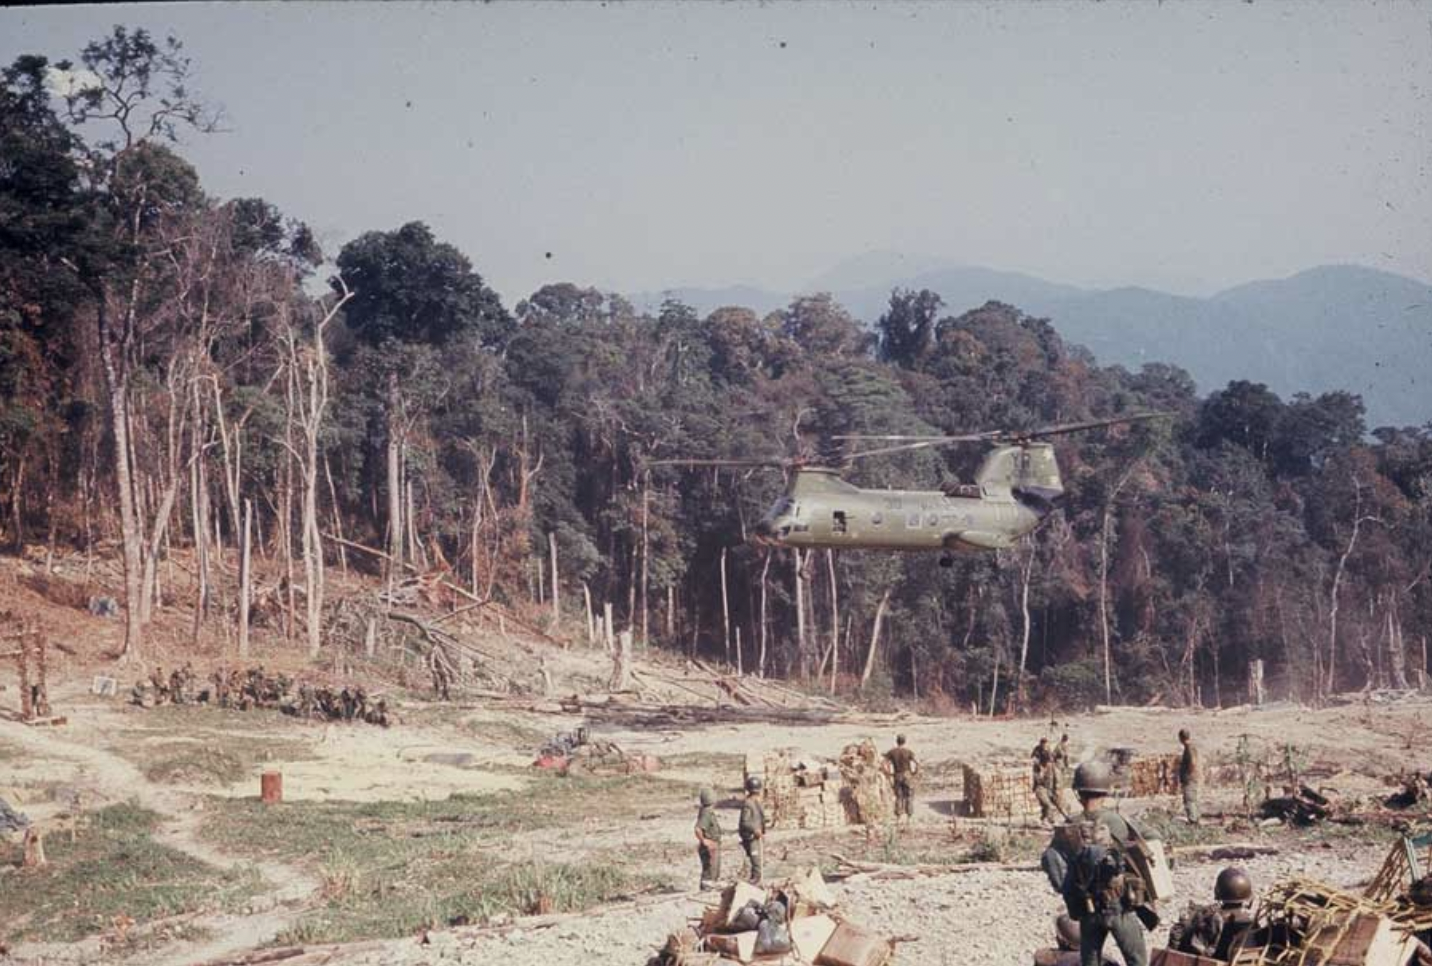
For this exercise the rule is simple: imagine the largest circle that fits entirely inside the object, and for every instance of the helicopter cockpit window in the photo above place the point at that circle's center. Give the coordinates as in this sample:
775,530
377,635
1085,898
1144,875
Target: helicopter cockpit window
837,522
932,520
912,520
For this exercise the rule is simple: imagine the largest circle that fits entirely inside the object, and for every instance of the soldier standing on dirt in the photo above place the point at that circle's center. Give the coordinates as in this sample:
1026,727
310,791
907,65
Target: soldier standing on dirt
708,840
1101,889
1046,781
752,828
903,769
1061,763
1190,776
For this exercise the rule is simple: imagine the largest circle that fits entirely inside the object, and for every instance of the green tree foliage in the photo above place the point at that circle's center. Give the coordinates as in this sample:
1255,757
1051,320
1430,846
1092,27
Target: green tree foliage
1247,528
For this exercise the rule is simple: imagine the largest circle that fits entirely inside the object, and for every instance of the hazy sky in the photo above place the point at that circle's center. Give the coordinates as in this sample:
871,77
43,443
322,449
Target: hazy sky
1185,146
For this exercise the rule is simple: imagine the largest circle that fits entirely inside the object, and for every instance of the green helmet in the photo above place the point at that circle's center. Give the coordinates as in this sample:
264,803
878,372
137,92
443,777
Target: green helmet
707,797
1093,778
754,784
1234,886
1067,932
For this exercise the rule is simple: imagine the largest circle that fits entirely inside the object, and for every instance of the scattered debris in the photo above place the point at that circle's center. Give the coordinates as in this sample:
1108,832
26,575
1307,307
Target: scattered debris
794,921
11,820
1416,791
1302,922
104,687
575,753
1303,806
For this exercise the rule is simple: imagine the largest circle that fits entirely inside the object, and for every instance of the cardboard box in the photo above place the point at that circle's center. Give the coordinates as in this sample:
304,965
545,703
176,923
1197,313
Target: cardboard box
735,945
1151,863
736,897
852,946
810,934
1368,940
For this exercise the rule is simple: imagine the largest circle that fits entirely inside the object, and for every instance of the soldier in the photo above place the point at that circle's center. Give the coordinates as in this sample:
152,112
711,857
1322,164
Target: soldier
1046,781
1101,889
1061,763
1217,930
1190,776
752,828
903,769
708,840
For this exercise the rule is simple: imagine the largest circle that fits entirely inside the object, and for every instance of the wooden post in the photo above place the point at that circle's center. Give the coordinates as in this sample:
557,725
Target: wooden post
245,578
621,662
370,638
34,849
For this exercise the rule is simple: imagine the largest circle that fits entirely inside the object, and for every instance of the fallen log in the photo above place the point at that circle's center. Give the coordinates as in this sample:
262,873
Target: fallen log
1219,853
851,868
255,959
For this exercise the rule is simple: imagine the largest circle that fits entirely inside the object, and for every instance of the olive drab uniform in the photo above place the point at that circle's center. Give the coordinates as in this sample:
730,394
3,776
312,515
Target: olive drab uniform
708,848
1211,930
1046,781
1190,779
902,771
751,830
1102,890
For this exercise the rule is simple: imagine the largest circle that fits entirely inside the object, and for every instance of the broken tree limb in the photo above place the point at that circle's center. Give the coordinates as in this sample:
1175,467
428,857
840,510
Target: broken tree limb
1219,853
255,959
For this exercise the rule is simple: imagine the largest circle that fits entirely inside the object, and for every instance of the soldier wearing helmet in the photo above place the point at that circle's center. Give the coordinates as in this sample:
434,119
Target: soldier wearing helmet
1101,890
708,839
1217,930
752,827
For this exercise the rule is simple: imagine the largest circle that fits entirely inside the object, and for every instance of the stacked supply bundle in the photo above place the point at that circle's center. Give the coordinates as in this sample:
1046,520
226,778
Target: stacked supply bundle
808,793
1000,791
869,796
1154,775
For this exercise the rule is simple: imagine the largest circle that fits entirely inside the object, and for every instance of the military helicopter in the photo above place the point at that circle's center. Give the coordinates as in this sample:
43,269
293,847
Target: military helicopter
1016,486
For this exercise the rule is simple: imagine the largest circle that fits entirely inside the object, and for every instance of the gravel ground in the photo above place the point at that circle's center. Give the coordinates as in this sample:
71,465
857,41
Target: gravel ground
984,918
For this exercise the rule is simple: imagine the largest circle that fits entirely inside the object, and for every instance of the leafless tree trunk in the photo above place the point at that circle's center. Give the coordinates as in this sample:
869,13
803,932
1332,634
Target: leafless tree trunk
1358,519
725,608
395,482
765,621
834,620
874,639
1104,535
800,605
556,594
1026,574
245,578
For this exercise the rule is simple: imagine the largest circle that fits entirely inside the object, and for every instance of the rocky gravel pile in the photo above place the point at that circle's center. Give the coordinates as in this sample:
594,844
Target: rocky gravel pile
983,918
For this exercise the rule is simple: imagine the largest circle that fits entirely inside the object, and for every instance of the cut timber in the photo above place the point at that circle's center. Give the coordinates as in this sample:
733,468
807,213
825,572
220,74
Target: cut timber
850,945
810,934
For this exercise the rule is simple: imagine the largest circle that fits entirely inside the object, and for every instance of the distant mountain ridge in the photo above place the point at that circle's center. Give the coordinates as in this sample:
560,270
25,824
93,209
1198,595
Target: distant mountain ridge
1330,327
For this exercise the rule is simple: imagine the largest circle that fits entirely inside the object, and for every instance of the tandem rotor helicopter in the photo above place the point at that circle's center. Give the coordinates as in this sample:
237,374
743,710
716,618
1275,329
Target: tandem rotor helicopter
1016,486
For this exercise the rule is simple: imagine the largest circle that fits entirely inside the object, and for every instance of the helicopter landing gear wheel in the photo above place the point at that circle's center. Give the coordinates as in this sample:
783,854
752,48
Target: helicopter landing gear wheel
947,561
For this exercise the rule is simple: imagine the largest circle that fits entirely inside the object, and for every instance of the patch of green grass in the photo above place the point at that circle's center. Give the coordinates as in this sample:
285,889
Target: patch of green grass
113,868
1173,830
391,868
717,761
507,732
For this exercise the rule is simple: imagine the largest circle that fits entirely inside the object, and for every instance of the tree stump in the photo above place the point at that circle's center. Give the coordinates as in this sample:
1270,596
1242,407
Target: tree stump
34,849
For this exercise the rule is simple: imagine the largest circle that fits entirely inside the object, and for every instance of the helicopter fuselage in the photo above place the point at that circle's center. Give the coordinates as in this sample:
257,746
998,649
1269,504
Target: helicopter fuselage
822,510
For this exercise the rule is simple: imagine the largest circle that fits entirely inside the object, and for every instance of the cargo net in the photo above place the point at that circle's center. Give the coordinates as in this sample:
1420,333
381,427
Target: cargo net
1303,922
1155,775
810,793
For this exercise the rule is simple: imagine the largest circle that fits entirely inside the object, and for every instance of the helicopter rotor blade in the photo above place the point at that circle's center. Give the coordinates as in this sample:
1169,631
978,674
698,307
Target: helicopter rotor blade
1063,429
746,463
905,444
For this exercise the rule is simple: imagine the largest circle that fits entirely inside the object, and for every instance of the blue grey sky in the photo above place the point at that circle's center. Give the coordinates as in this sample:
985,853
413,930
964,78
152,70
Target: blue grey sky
1184,146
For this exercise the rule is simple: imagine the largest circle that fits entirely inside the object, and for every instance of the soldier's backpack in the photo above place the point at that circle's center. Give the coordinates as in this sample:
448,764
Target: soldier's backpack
1100,877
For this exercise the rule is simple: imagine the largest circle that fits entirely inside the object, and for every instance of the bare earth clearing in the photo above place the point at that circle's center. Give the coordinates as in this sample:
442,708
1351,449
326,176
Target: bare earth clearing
435,752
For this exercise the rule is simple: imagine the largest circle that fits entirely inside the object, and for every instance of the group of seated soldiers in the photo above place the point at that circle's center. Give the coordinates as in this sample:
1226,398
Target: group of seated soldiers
254,688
